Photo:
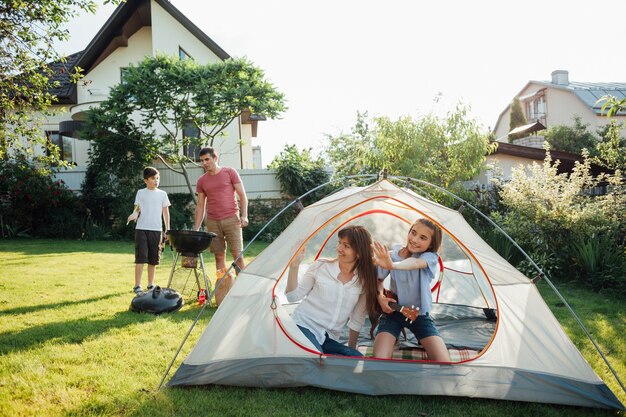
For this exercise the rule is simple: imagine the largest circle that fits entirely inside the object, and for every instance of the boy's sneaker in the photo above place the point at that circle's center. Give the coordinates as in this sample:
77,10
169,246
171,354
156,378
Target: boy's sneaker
138,290
151,286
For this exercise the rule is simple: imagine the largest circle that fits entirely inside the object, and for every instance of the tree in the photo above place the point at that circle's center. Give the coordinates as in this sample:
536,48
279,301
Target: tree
28,31
351,154
298,172
163,95
611,149
439,150
517,118
571,139
612,105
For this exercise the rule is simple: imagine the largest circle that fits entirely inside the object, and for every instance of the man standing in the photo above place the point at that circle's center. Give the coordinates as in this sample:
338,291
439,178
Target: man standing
216,190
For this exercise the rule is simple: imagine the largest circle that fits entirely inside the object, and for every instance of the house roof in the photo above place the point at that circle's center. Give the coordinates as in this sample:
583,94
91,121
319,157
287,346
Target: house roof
61,72
127,19
588,92
568,160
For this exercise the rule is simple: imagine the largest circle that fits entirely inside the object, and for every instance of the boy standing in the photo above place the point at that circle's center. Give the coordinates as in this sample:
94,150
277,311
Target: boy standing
150,205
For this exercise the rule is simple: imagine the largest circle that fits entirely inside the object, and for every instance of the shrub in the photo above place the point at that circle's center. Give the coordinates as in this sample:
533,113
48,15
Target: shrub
182,211
262,211
558,220
33,204
600,263
299,172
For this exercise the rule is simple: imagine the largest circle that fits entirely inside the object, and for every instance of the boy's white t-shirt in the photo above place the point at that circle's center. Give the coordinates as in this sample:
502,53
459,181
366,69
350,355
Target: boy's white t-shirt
151,204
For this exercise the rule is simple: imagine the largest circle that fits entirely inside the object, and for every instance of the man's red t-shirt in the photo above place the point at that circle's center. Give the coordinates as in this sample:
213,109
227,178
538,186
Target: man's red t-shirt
220,193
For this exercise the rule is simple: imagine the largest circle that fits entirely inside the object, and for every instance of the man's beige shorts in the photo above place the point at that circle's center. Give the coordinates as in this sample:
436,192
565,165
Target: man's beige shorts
228,231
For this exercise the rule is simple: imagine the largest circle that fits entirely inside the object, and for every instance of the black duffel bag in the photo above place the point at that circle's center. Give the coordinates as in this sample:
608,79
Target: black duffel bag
157,300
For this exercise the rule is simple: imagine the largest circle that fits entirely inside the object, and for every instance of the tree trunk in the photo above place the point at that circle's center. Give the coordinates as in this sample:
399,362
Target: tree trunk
191,190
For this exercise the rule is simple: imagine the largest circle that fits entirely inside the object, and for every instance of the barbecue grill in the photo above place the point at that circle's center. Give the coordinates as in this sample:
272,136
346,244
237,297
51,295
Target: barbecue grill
190,244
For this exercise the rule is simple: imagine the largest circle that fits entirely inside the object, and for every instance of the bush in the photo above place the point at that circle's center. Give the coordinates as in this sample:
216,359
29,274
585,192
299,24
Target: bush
262,211
35,205
558,220
182,211
600,263
299,173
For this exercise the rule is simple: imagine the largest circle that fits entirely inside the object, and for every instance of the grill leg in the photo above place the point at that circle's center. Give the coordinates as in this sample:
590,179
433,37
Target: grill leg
169,282
206,281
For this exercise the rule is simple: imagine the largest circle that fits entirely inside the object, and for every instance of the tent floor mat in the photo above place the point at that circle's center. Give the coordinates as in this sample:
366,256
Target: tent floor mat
419,354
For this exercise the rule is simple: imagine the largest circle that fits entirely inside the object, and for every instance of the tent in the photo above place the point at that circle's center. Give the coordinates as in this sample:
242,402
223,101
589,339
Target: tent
505,343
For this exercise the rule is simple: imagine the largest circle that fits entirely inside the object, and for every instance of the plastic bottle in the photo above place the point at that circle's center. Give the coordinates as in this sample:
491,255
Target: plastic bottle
202,297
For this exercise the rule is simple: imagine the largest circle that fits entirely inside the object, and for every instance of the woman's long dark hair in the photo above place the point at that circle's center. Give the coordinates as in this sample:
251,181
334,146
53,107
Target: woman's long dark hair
361,241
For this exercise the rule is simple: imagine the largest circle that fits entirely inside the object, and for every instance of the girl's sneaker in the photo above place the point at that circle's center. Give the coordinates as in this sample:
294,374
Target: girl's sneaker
138,289
151,286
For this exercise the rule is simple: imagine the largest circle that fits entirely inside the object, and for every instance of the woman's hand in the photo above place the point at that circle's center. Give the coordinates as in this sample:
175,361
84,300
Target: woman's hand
294,266
381,256
298,258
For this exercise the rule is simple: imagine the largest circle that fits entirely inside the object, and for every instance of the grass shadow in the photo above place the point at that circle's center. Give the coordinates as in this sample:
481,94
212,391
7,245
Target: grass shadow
56,246
40,307
82,329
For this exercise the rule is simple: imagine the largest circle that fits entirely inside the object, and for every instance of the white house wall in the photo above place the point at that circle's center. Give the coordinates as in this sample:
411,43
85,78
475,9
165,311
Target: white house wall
97,82
561,107
168,36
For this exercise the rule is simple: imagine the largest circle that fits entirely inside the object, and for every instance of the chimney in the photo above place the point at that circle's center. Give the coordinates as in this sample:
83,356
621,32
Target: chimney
560,77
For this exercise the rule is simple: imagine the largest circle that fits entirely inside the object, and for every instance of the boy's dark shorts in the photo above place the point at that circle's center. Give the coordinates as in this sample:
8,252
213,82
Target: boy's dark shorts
422,327
147,247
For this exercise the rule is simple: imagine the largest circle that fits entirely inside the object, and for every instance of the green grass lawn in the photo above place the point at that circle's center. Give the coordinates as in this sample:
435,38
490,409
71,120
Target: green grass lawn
69,346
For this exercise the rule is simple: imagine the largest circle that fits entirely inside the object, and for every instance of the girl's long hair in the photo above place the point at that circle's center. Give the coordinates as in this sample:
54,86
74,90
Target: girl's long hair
361,240
435,243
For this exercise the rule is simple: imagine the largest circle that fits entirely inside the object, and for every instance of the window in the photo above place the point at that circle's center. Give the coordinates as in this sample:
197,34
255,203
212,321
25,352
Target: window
191,147
182,54
536,108
123,72
65,144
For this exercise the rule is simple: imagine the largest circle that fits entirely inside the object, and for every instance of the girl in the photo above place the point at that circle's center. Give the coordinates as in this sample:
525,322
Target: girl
412,268
335,292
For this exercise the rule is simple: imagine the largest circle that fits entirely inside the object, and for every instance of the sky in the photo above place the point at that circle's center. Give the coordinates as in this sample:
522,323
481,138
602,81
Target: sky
394,58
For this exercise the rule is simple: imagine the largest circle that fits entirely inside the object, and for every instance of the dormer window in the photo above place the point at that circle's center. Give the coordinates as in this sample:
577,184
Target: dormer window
536,107
182,54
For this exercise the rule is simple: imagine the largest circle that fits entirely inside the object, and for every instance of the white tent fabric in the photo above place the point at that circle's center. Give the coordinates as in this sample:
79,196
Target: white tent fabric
252,341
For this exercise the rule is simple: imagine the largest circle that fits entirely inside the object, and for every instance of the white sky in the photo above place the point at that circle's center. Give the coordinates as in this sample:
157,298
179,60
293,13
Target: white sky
392,58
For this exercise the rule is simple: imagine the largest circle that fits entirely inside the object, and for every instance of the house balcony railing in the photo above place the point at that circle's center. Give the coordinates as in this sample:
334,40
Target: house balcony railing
537,117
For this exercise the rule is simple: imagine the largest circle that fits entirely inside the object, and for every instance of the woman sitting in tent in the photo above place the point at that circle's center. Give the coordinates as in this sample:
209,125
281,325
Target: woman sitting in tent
335,292
412,267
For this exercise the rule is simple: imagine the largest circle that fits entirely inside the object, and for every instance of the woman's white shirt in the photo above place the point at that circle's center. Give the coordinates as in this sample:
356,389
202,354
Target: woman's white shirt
327,303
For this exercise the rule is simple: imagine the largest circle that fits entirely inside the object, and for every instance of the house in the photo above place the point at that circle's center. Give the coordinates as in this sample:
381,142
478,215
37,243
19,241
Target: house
557,101
136,29
545,104
509,156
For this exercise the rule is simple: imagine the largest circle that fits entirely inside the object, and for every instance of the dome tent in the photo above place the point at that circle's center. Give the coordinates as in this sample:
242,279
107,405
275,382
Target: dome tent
521,352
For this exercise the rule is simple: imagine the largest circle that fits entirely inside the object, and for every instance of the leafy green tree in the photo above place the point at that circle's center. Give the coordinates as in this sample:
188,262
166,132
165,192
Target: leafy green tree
443,151
351,154
517,118
163,95
572,139
299,172
120,150
611,149
612,105
28,32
